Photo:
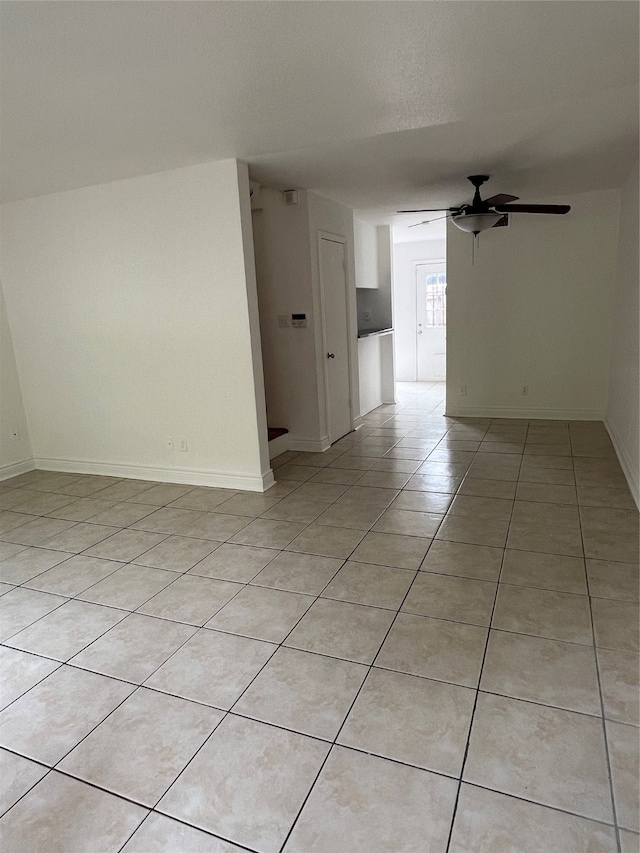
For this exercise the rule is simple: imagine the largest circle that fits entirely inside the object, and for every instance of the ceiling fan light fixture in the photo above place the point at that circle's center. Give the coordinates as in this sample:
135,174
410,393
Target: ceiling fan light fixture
474,223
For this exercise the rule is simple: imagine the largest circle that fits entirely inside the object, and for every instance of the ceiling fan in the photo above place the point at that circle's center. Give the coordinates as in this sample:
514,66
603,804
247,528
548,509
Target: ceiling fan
490,213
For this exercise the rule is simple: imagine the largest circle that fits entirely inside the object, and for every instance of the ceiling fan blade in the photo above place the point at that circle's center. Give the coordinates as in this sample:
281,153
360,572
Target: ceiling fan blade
501,198
426,210
428,221
532,208
501,223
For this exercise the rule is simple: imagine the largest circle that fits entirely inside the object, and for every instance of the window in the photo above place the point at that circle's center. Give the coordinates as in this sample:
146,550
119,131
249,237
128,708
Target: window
436,293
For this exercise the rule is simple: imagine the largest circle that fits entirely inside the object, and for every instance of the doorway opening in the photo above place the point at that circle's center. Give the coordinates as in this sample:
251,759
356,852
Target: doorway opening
431,321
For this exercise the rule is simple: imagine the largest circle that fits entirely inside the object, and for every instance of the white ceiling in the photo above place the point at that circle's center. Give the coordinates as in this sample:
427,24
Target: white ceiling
379,105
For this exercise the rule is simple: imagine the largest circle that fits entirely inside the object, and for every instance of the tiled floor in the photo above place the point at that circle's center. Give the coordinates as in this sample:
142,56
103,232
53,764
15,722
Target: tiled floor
424,639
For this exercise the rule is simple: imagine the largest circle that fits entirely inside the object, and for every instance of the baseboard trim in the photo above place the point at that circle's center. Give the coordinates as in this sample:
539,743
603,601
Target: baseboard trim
631,473
358,423
279,445
186,476
307,445
516,412
16,468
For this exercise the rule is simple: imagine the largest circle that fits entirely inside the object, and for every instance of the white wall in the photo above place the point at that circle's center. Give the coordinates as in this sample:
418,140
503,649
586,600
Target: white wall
132,307
15,452
534,310
366,253
283,269
623,405
405,257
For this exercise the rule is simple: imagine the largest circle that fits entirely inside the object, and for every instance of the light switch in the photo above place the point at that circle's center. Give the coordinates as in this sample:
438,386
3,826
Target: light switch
283,321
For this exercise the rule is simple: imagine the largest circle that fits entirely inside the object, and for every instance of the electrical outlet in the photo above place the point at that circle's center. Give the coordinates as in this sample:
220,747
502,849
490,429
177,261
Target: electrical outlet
367,316
525,390
463,390
168,443
182,445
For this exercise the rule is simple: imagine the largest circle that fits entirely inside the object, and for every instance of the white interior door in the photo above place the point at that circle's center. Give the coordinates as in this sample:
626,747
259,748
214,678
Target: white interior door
333,279
431,329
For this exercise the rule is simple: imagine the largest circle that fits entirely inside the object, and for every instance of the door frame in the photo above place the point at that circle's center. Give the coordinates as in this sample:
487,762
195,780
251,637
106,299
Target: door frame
417,264
323,372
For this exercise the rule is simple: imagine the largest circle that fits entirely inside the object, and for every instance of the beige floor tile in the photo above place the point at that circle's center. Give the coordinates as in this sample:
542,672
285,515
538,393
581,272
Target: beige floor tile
268,534
338,476
408,523
547,493
79,537
388,549
370,496
261,613
384,479
305,692
620,682
21,607
42,504
20,672
544,538
160,834
168,520
213,668
18,776
293,508
247,762
357,518
553,516
12,520
549,460
406,809
629,841
326,541
301,473
239,563
215,525
35,531
551,476
77,701
134,648
140,749
625,760
477,487
250,505
550,756
545,571
28,563
539,670
613,580
324,493
128,587
605,497
488,822
612,544
160,494
400,466
489,508
191,599
433,483
74,575
615,624
8,549
177,553
434,502
543,613
472,530
203,499
304,573
364,583
123,514
125,545
60,814
449,597
338,629
434,648
455,558
67,630
413,720
125,489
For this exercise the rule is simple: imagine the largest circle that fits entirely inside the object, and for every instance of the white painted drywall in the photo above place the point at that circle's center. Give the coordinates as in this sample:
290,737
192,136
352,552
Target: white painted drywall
132,307
330,217
623,405
534,310
15,452
283,269
405,257
366,253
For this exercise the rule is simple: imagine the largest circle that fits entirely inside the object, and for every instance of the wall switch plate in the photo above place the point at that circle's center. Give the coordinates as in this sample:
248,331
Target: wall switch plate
525,390
463,390
367,316
283,321
182,445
